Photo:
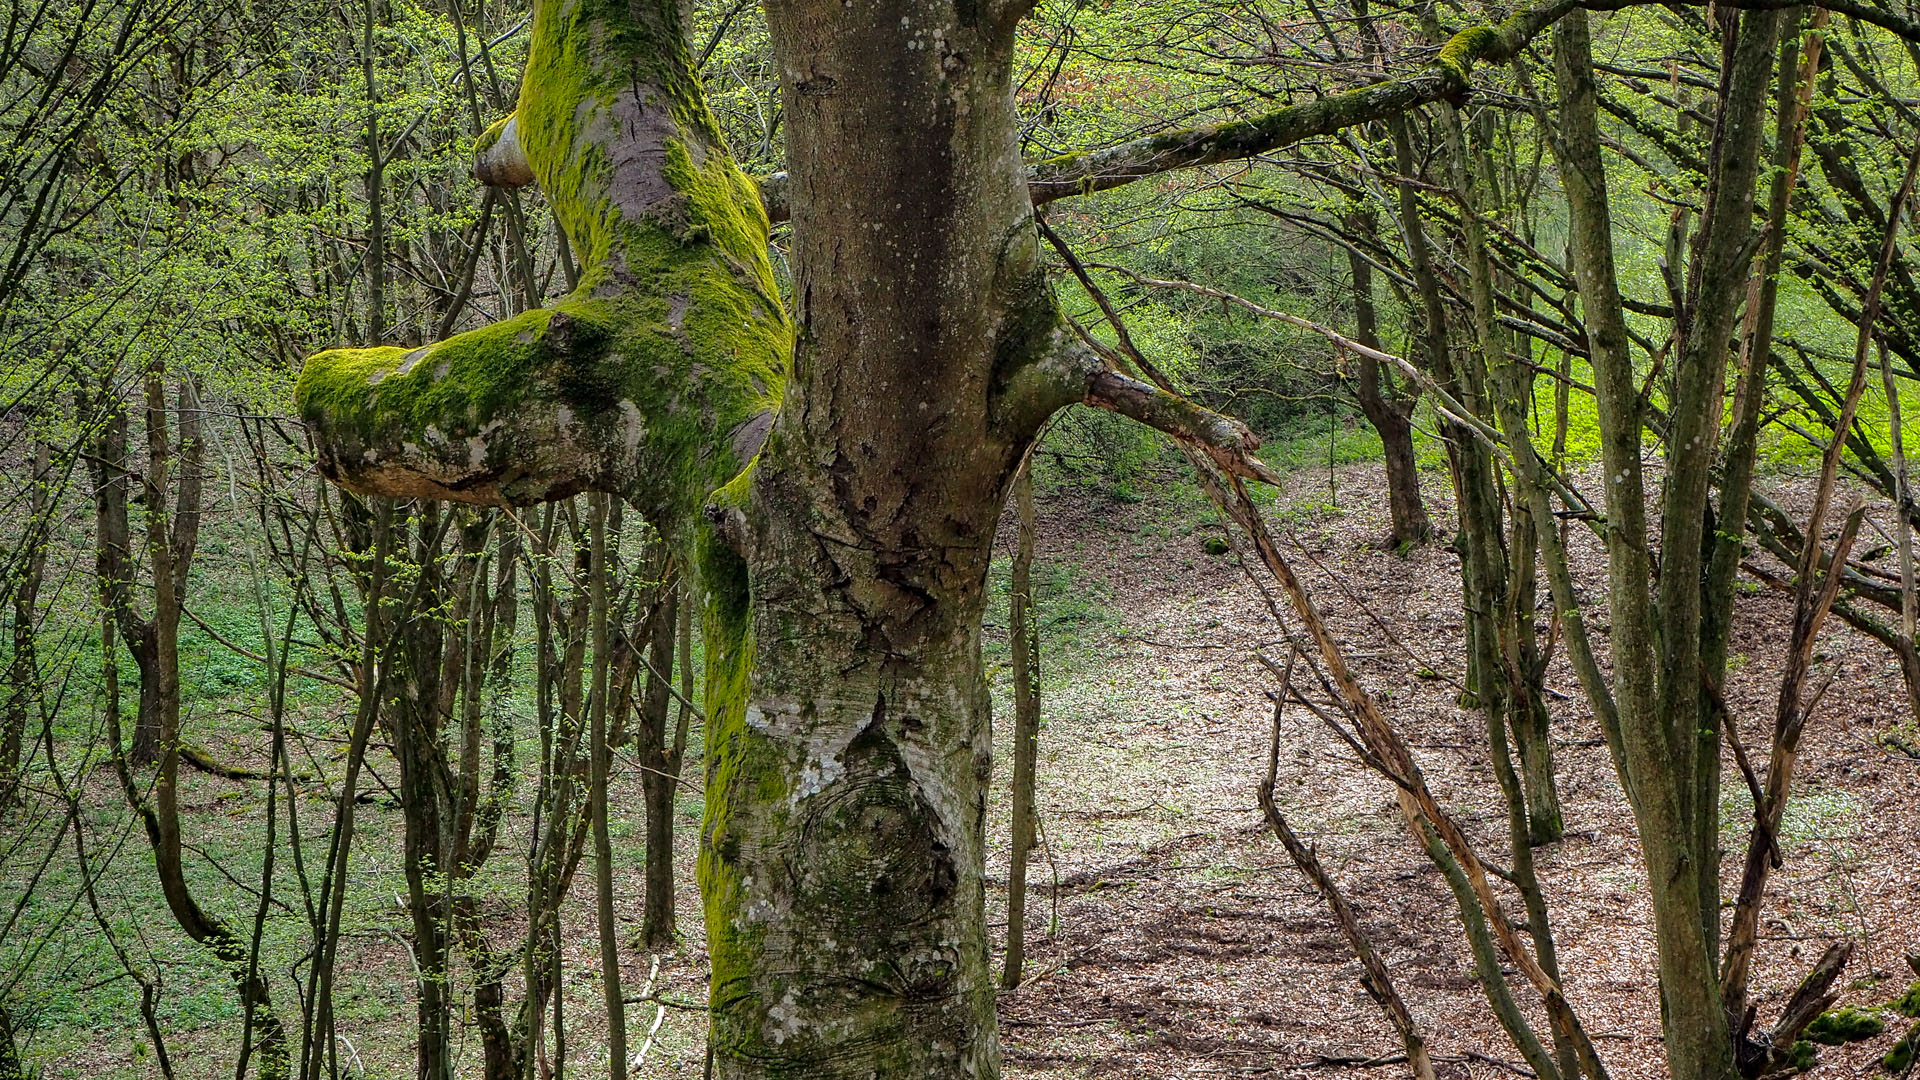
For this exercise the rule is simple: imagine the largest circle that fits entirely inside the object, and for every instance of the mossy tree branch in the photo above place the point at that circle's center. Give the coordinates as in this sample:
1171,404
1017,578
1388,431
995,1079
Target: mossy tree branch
657,377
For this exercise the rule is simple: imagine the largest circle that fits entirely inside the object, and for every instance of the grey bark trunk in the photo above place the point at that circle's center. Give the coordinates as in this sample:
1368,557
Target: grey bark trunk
660,752
846,813
1391,414
1669,739
1024,638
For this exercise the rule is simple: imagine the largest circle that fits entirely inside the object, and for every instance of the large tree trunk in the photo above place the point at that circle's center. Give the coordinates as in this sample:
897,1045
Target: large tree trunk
841,579
843,865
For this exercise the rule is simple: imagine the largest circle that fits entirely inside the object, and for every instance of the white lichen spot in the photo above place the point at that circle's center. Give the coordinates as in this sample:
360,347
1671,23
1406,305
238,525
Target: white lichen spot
816,774
407,361
784,1018
633,426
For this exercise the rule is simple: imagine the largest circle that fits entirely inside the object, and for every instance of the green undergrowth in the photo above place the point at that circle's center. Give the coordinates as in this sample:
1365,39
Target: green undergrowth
74,1010
1076,615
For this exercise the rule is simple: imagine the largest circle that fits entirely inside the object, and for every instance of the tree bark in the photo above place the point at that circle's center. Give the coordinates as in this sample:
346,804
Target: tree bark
1669,740
659,752
599,765
1391,414
415,723
834,495
846,807
1023,632
171,537
23,668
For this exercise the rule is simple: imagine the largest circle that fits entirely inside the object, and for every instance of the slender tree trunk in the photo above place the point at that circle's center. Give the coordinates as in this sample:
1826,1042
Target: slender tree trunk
416,725
1494,383
174,471
23,669
376,255
10,1068
562,628
1798,65
319,1049
499,1051
1390,414
659,759
600,761
1023,631
1670,739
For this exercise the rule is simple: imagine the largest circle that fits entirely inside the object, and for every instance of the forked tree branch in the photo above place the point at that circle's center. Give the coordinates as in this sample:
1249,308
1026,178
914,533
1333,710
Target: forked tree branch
1374,974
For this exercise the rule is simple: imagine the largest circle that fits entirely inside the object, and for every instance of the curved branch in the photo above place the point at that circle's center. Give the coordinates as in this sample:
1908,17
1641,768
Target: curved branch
1445,80
498,159
656,379
1231,444
1087,171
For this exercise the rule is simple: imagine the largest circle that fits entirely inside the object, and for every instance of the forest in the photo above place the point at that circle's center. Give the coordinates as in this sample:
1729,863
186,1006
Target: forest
954,539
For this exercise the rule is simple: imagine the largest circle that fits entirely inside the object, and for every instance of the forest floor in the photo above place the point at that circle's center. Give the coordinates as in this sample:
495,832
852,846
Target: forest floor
1187,945
1168,934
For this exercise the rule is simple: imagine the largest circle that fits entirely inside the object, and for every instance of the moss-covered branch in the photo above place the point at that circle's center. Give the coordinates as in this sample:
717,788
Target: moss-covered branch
657,378
498,160
1444,80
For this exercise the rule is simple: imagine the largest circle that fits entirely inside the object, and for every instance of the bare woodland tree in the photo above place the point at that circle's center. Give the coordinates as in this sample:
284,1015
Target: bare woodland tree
841,574
830,480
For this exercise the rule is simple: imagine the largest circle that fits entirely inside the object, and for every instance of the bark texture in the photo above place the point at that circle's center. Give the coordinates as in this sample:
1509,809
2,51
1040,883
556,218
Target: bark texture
1668,639
846,807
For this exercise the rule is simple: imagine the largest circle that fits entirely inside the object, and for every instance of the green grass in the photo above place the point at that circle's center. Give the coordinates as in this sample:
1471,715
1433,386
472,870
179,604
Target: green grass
71,1000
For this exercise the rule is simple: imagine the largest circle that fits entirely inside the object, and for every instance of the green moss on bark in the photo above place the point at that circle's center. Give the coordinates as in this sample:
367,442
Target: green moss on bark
675,340
599,70
1844,1025
744,768
1459,54
491,136
1899,1059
